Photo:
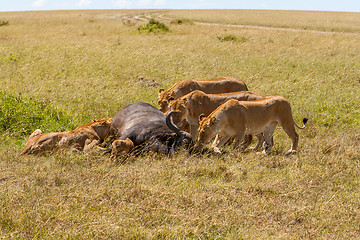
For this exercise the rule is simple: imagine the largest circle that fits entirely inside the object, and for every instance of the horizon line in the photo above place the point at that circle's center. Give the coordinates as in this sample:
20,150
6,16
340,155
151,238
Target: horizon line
190,9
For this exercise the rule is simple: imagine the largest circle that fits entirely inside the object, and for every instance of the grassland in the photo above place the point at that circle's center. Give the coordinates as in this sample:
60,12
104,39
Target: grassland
308,20
61,69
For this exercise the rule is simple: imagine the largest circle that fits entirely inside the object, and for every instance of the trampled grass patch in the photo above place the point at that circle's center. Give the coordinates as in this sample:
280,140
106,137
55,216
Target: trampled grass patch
60,69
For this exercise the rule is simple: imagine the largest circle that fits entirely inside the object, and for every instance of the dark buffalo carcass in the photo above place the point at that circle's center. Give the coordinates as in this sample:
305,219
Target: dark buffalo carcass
144,124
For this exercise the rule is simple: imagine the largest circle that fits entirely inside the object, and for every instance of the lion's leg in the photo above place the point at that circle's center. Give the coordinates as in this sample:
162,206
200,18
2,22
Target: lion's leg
49,144
246,142
219,141
35,133
90,143
290,131
268,137
29,143
260,143
194,131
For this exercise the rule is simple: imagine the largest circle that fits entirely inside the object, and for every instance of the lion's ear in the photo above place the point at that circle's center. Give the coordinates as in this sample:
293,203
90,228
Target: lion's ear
161,91
201,117
185,101
170,102
213,120
108,121
104,121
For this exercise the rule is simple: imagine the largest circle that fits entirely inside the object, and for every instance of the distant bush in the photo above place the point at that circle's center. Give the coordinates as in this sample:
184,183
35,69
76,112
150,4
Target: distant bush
21,116
153,26
4,23
181,21
129,22
230,37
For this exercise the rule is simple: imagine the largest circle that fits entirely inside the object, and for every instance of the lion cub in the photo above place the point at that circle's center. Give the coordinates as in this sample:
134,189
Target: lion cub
121,147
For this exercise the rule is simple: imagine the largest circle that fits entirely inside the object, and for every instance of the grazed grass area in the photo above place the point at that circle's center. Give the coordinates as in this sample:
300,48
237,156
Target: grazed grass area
88,65
308,20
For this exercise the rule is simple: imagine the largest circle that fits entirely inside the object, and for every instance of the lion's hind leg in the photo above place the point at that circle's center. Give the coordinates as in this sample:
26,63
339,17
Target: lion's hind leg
29,143
246,141
290,131
260,142
35,133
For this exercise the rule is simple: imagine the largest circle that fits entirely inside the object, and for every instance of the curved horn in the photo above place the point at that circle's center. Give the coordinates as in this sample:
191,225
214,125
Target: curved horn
172,126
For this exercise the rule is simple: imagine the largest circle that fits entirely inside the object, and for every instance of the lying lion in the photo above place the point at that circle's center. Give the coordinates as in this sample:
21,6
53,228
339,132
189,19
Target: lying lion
239,118
82,138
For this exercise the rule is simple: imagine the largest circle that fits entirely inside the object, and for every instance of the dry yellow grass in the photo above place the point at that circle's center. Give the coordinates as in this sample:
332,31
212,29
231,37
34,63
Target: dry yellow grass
89,64
308,20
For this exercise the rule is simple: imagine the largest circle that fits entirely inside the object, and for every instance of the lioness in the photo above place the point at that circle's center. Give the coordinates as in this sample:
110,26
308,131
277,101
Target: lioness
121,147
192,105
239,118
82,138
220,85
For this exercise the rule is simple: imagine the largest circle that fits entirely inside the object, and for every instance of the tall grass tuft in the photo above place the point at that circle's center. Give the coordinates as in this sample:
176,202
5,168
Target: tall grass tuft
4,23
20,116
232,38
153,26
180,21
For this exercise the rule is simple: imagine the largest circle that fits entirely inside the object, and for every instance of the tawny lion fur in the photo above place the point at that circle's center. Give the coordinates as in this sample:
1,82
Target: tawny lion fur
190,106
239,118
121,147
220,85
82,138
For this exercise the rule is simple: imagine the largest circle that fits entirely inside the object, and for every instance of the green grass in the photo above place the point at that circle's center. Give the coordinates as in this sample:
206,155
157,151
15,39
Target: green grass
19,116
153,26
4,23
61,69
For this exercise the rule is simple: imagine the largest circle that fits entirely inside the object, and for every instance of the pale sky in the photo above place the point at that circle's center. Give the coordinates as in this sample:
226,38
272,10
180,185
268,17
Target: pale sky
317,5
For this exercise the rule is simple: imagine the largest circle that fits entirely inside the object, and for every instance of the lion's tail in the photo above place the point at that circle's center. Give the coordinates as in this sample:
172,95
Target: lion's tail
305,120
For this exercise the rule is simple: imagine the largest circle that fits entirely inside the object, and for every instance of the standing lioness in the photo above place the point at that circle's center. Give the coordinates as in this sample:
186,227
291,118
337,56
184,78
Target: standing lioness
239,118
190,106
220,85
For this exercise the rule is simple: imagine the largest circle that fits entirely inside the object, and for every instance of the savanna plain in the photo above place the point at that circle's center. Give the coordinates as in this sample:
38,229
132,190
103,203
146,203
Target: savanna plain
61,69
